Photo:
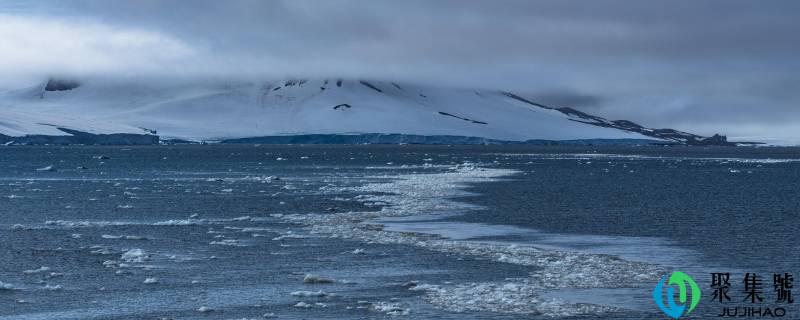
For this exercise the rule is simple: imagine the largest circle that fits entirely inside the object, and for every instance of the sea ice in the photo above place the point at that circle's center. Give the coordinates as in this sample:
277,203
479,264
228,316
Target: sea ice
228,242
319,293
315,279
150,281
429,194
52,287
204,309
47,168
40,270
7,286
392,309
108,236
134,256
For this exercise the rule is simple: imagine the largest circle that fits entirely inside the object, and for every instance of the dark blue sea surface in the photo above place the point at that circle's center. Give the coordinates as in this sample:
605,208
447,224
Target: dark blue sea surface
220,231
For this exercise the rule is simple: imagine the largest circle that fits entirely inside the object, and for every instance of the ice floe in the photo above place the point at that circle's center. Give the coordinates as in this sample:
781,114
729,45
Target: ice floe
108,236
135,256
150,281
52,287
315,279
306,294
205,309
39,270
47,168
430,194
228,242
7,286
390,308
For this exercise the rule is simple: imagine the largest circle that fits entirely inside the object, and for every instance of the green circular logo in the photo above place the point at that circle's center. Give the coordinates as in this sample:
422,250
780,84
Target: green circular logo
686,287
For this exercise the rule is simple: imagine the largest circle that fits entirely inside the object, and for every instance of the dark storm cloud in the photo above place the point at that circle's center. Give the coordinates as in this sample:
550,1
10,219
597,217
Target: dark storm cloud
714,65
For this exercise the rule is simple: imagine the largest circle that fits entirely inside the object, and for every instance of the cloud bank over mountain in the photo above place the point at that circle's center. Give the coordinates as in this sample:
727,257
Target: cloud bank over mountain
705,66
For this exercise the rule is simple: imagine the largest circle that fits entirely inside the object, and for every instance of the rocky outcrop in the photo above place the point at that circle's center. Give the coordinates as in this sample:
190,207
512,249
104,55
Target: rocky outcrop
61,84
78,137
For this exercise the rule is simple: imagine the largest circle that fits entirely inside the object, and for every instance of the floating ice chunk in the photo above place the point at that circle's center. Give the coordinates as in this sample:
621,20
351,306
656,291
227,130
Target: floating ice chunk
425,287
184,222
101,250
289,235
306,294
47,168
83,224
21,227
228,242
303,305
40,270
7,286
108,236
124,206
135,256
392,309
204,309
53,287
150,281
315,279
280,159
226,190
359,251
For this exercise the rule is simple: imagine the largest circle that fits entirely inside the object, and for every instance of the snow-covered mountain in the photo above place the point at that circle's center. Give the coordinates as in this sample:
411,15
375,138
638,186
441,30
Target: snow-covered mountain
225,112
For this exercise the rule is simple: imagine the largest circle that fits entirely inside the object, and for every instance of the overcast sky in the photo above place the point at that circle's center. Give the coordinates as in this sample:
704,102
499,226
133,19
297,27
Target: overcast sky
705,66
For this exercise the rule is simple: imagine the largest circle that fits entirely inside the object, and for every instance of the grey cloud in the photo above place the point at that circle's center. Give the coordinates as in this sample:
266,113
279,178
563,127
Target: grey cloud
567,98
721,63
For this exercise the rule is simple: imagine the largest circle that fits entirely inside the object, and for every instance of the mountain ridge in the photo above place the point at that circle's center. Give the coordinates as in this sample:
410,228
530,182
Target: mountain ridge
233,111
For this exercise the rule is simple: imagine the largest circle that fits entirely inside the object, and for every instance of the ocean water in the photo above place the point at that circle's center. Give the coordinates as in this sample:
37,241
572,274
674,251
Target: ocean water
418,232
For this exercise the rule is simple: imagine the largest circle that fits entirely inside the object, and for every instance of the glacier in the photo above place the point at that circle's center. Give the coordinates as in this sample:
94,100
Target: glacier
292,111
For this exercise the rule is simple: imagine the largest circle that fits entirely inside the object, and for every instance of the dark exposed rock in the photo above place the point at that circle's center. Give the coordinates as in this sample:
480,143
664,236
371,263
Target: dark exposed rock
61,84
79,137
715,140
672,135
465,119
396,138
369,85
518,98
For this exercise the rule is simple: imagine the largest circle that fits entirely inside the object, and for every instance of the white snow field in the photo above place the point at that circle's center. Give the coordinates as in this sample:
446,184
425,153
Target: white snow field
216,111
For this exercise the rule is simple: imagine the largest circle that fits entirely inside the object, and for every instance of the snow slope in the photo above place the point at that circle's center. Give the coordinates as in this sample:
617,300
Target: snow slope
214,111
